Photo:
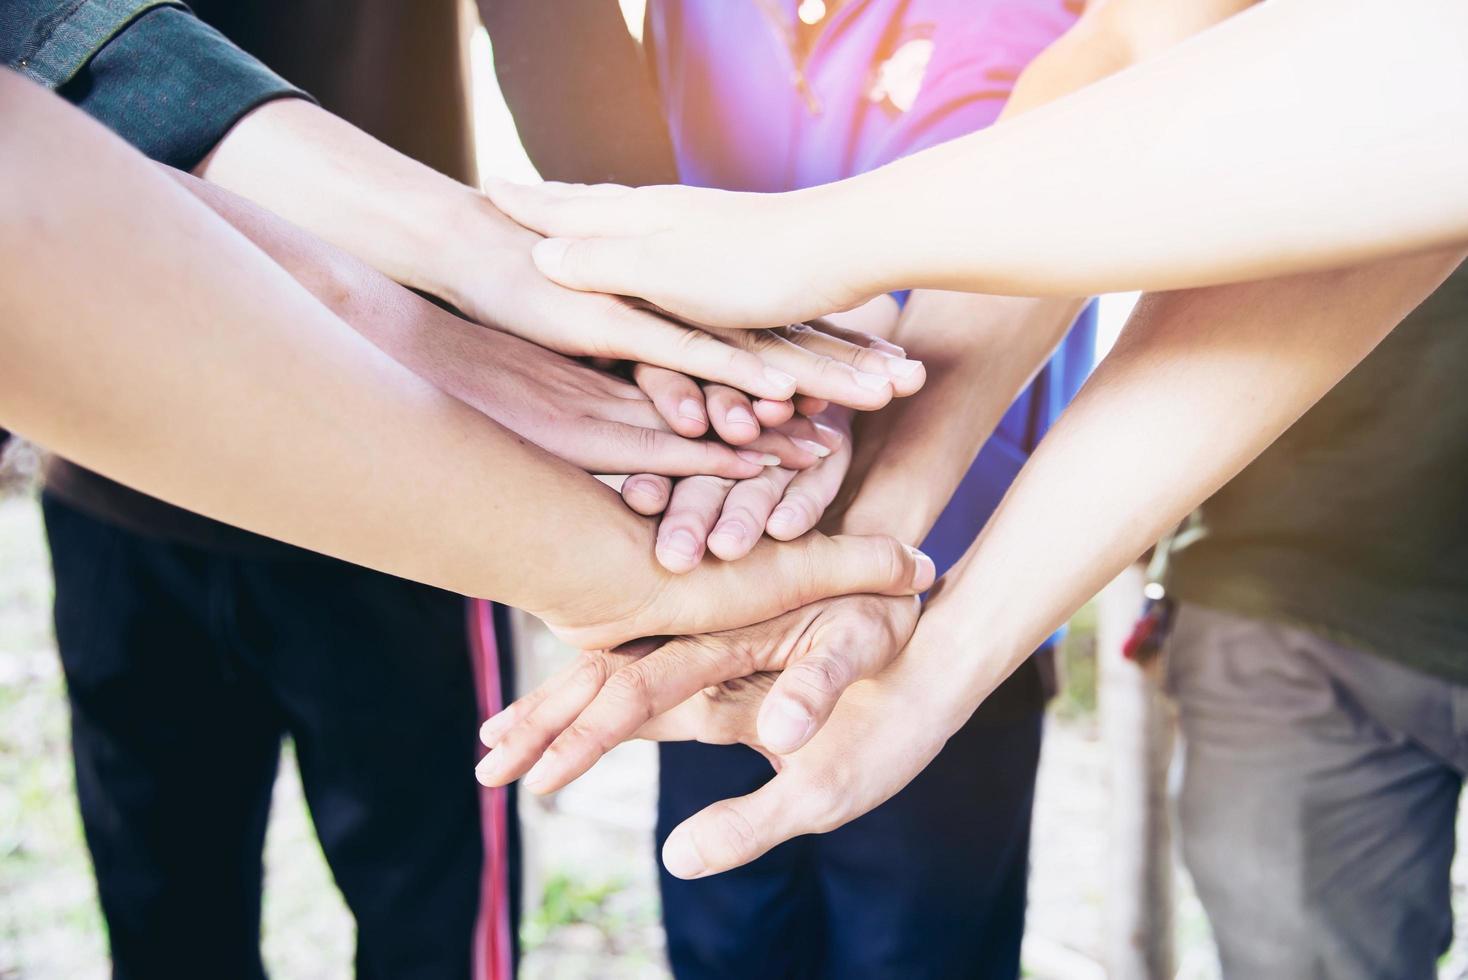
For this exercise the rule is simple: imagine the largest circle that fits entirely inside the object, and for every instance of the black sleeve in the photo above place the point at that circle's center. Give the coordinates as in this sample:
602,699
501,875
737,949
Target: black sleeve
150,71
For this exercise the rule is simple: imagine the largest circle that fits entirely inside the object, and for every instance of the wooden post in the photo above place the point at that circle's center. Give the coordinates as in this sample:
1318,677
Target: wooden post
1137,729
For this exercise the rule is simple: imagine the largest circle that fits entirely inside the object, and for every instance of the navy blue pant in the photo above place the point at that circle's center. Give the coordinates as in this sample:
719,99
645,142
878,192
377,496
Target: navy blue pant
929,885
186,668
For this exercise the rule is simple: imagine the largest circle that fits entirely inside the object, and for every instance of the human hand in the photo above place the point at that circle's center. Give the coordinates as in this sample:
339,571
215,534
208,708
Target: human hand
715,258
805,659
583,415
587,417
728,516
882,734
489,274
774,578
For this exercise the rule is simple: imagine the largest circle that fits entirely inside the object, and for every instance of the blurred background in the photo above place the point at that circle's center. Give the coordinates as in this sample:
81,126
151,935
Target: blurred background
1101,874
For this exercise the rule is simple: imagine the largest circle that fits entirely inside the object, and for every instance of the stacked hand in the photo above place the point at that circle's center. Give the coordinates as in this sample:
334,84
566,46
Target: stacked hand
817,633
500,285
704,255
754,424
820,691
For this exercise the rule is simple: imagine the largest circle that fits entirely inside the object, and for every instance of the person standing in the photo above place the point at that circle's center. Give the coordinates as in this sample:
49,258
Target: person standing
191,649
773,96
1320,664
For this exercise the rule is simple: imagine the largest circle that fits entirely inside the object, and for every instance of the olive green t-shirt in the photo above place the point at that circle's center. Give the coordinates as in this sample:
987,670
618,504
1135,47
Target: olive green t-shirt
1355,523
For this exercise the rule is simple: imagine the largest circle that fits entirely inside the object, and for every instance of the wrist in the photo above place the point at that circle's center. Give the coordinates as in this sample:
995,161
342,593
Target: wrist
841,257
930,679
871,231
461,251
906,514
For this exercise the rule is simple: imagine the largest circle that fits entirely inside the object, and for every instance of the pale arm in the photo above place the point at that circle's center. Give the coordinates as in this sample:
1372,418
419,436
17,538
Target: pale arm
981,350
445,238
1299,135
147,339
1199,383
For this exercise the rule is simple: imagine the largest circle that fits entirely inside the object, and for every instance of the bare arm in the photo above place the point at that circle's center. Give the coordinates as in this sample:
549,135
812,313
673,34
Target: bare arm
435,234
980,350
1198,385
147,339
584,416
1243,152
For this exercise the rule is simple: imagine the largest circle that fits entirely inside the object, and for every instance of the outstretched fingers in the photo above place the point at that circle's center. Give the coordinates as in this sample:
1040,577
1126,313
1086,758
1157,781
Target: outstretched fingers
519,735
629,699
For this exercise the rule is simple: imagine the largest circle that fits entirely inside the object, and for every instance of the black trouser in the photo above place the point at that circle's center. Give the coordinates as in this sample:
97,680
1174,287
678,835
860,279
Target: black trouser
928,886
185,669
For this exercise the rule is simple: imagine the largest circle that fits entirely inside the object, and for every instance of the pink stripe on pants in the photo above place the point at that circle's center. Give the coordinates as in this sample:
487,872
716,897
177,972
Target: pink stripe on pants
492,958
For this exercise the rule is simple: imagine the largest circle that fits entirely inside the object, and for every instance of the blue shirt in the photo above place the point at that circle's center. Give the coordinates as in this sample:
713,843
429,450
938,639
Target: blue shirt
748,110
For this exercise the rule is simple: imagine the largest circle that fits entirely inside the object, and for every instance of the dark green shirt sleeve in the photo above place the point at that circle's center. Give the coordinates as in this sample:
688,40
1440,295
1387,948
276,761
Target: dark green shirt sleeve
149,70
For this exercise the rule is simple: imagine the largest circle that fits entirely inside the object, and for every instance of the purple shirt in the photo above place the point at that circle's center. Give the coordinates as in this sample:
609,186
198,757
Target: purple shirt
884,78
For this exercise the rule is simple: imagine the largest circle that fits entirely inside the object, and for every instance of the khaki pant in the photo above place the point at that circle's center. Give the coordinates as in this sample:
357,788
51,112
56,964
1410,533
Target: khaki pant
1319,799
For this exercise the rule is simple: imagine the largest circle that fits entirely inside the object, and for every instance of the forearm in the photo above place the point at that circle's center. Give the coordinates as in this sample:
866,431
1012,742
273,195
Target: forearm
1199,383
159,347
404,325
330,178
980,352
1253,124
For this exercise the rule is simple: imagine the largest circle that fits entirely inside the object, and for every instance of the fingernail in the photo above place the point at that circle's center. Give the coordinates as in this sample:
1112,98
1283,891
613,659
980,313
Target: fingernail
780,379
549,254
784,725
924,571
689,408
733,531
901,368
812,447
739,415
872,382
887,347
485,771
535,779
830,432
680,857
682,543
783,517
758,459
492,729
636,485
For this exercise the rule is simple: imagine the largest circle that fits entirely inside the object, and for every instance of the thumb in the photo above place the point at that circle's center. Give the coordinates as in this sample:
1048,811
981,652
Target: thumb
596,265
848,564
855,646
734,832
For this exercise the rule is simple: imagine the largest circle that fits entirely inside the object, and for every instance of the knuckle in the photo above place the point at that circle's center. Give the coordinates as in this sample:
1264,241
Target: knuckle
740,653
591,671
801,581
890,560
801,502
583,733
645,440
730,832
822,677
631,691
